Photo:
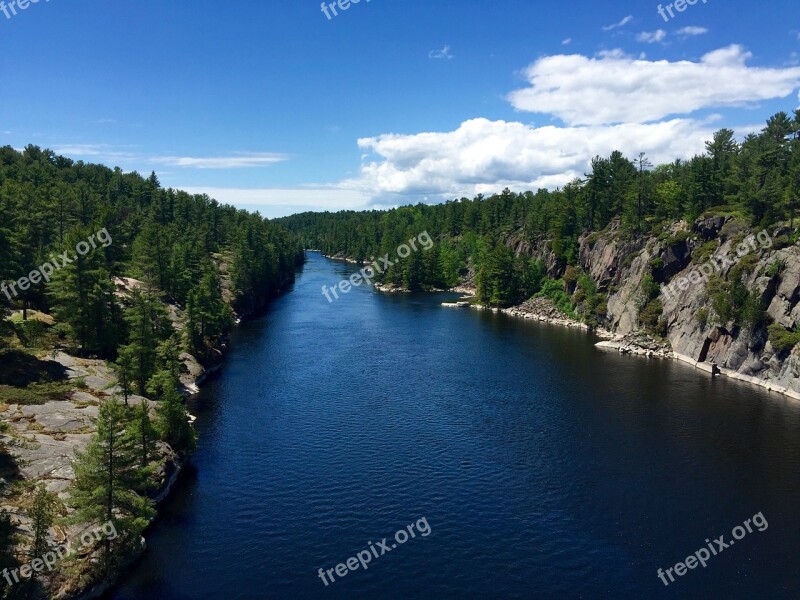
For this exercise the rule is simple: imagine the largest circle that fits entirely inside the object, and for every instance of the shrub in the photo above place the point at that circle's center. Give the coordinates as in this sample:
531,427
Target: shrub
702,253
648,290
554,290
776,268
782,339
650,317
656,263
702,317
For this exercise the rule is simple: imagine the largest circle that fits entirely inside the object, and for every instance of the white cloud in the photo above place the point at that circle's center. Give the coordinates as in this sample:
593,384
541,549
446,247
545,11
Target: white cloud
95,151
692,31
442,54
651,37
615,88
116,154
275,202
237,161
483,156
622,23
566,42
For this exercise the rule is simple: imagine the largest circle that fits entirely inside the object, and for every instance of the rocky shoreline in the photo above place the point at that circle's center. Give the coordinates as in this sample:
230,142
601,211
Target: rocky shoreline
635,343
536,309
43,438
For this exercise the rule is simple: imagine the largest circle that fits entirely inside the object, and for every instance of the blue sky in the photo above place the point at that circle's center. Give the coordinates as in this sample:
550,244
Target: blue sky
272,106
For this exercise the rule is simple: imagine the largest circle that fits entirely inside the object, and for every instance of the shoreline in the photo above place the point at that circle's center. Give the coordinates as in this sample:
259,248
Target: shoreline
608,339
191,388
625,345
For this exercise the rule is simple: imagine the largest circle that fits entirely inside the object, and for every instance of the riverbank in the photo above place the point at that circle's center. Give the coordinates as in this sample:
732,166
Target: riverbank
43,435
635,344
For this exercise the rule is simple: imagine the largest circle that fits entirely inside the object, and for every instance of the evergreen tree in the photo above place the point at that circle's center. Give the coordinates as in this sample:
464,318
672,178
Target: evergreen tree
148,325
8,556
107,476
172,419
144,435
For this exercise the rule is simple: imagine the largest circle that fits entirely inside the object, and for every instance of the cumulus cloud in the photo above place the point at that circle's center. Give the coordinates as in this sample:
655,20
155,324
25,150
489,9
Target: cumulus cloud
483,156
651,37
616,88
622,23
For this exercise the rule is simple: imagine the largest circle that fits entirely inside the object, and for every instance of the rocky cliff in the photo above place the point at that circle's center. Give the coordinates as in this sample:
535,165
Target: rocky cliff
722,284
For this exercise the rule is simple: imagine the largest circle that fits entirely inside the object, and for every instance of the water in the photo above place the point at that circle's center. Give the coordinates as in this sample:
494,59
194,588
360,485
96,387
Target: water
544,467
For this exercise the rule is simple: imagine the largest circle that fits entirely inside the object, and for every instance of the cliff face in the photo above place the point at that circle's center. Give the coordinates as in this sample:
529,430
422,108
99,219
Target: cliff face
688,262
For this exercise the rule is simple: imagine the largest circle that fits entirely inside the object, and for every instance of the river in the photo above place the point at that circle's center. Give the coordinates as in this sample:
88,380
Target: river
540,466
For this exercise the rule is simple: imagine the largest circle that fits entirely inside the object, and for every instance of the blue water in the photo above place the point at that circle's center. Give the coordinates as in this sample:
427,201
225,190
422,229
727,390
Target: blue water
544,467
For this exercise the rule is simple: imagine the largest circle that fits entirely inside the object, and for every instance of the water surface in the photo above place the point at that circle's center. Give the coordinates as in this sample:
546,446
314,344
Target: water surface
545,467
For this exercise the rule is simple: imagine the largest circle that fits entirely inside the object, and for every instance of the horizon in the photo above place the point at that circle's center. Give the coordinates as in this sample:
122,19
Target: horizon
266,109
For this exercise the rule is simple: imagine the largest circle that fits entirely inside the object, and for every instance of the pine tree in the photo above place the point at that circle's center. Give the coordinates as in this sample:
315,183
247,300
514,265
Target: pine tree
83,297
172,419
8,556
107,476
144,435
148,326
41,511
124,369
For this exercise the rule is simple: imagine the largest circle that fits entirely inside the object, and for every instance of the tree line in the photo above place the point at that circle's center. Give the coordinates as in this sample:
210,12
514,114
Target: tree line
756,179
169,248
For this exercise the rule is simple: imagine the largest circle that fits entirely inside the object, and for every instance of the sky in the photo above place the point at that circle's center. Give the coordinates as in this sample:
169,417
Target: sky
274,106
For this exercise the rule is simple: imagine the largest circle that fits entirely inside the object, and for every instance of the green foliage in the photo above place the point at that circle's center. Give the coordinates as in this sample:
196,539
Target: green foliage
172,423
41,511
554,289
8,558
703,253
776,268
650,318
649,290
144,435
108,477
497,279
148,326
35,393
758,179
172,419
208,317
169,239
782,339
733,302
702,317
587,302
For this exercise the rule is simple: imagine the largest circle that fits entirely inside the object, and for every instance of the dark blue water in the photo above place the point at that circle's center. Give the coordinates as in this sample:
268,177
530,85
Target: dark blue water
544,467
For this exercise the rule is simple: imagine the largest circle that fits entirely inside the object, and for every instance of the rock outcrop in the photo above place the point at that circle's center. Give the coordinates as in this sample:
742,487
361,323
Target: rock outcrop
684,260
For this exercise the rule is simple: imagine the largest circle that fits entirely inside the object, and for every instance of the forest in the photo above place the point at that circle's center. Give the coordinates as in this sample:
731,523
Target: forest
756,179
172,274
